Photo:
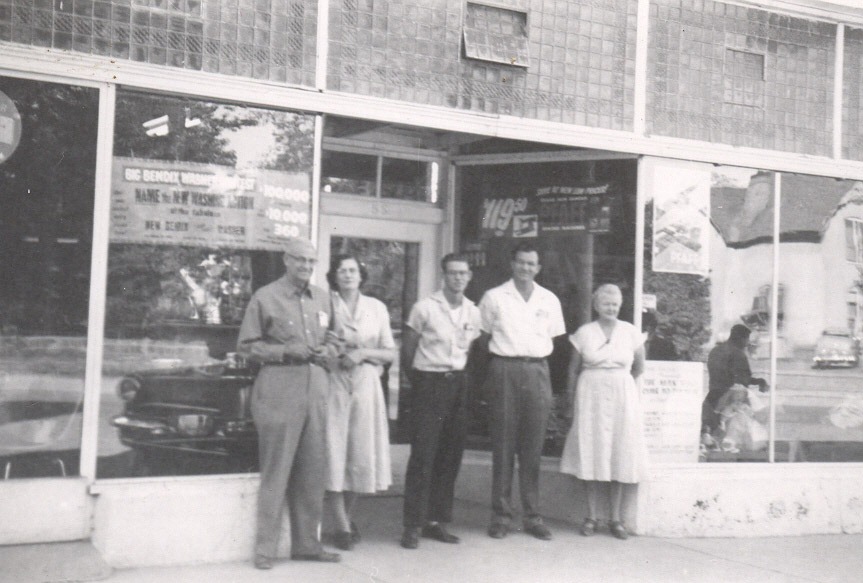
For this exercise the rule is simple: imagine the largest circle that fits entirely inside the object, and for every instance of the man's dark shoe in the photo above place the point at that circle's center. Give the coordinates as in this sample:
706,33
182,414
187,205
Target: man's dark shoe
344,541
538,530
411,538
498,530
322,557
263,562
439,532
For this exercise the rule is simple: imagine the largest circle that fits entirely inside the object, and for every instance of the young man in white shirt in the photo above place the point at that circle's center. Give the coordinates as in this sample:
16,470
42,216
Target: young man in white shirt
520,319
435,347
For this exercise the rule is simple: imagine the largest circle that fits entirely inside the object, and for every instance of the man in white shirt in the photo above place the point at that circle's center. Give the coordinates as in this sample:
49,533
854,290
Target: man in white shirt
435,346
520,319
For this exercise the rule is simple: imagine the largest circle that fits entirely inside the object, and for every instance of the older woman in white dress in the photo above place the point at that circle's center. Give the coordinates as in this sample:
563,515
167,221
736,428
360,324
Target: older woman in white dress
606,441
358,446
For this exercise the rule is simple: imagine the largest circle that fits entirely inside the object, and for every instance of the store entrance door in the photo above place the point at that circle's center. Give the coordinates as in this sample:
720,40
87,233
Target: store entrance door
401,258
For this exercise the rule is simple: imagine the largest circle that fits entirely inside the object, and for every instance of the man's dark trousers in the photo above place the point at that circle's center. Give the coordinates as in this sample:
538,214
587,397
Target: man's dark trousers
439,427
520,402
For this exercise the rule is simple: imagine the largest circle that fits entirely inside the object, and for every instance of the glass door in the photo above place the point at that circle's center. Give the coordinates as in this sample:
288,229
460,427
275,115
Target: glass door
401,260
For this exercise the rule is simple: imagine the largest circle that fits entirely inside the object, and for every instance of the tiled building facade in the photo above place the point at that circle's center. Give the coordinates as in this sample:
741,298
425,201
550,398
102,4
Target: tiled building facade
717,72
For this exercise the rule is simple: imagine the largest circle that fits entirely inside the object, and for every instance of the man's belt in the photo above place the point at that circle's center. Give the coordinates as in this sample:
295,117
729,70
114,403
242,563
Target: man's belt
444,373
520,358
292,361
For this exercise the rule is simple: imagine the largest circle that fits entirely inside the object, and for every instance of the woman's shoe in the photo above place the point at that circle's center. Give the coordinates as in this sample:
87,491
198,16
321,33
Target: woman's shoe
355,533
618,530
588,527
344,541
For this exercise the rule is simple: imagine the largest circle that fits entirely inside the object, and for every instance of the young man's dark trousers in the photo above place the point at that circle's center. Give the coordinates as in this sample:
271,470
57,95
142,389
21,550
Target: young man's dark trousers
439,427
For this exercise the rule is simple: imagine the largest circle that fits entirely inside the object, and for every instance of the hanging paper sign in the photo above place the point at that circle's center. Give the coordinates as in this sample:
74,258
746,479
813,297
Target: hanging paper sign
671,395
681,216
10,127
207,205
552,210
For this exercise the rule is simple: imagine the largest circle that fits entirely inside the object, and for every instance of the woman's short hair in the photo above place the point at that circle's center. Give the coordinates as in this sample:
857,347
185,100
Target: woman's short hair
336,262
606,290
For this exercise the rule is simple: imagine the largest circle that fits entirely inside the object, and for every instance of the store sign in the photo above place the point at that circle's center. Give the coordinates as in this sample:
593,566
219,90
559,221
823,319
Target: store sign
671,395
207,205
551,210
10,127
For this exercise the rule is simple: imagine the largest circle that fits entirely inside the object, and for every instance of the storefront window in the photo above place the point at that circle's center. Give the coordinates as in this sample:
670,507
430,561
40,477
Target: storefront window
710,267
819,408
203,196
581,215
47,184
708,270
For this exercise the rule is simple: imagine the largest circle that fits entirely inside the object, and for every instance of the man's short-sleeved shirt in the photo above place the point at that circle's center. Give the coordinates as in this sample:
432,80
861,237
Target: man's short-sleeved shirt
518,327
444,339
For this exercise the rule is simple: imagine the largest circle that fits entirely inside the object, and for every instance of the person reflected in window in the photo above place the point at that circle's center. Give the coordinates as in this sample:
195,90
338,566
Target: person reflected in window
606,442
727,365
358,444
656,346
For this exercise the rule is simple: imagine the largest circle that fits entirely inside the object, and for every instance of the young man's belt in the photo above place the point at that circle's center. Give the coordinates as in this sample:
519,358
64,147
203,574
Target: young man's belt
520,358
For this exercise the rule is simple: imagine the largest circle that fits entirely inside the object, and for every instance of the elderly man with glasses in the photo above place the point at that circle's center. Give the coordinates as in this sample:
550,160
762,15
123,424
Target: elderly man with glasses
285,331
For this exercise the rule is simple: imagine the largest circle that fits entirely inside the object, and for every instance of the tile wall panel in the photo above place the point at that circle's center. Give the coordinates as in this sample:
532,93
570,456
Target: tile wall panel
694,93
852,99
581,66
263,39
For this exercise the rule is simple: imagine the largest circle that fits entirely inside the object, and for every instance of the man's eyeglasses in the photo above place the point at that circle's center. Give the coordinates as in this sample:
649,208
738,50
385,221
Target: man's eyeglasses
303,260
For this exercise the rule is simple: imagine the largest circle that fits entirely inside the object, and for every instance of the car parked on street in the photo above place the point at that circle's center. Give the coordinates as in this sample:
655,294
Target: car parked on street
189,420
836,348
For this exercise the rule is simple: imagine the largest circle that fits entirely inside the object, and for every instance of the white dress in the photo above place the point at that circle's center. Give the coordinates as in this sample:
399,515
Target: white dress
358,441
606,440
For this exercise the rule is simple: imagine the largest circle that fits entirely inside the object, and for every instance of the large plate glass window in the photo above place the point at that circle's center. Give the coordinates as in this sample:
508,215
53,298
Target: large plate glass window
47,181
819,388
203,196
710,267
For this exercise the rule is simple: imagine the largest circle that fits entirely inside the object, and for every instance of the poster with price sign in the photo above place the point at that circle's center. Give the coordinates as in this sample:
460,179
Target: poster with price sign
207,205
551,210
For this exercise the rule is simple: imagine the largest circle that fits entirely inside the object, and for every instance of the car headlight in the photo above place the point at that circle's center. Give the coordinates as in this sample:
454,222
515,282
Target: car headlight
128,388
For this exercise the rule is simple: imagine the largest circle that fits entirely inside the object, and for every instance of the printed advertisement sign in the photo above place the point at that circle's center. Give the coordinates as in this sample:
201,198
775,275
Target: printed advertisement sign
551,210
185,203
681,216
671,395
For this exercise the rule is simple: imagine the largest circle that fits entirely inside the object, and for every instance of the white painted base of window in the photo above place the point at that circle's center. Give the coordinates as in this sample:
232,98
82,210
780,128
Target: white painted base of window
41,510
211,519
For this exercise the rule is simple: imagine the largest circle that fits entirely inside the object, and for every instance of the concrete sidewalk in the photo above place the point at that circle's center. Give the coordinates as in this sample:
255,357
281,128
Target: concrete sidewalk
569,557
